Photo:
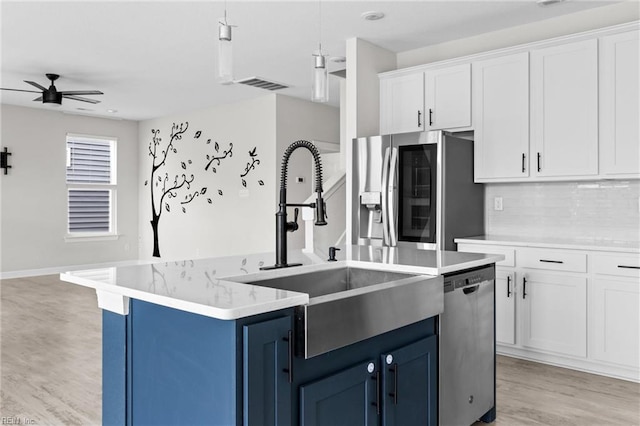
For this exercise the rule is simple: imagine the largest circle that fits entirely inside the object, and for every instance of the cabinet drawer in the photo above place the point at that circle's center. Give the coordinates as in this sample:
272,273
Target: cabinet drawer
623,265
552,260
509,253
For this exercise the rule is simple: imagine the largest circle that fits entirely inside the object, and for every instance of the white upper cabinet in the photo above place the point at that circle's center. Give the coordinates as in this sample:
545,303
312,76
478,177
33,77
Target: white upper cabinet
564,110
447,97
619,99
501,117
402,103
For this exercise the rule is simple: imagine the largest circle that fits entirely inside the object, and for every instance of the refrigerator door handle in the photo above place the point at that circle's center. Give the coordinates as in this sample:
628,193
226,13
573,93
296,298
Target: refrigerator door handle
385,182
393,172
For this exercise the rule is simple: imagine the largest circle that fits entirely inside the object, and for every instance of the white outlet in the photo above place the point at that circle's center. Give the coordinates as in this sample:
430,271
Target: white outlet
497,204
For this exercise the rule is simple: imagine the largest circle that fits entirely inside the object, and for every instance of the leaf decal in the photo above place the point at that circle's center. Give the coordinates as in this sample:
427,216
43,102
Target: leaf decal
198,133
175,151
213,169
244,183
244,261
189,161
166,207
252,153
216,147
208,157
146,182
208,141
261,263
219,191
184,210
183,165
159,178
261,183
209,201
203,191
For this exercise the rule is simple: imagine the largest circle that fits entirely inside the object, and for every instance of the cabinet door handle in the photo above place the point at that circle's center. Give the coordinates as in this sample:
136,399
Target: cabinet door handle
378,384
394,395
524,287
551,261
539,168
524,156
289,369
628,267
419,118
509,286
430,117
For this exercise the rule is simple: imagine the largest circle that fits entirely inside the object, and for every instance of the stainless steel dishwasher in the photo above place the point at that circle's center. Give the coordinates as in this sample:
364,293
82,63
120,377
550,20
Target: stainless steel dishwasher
467,348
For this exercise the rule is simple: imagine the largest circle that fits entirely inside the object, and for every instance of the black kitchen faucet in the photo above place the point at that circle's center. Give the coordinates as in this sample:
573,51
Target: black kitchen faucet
282,226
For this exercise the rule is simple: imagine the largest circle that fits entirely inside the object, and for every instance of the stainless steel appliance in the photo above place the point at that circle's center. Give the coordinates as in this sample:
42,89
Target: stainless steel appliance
467,348
413,189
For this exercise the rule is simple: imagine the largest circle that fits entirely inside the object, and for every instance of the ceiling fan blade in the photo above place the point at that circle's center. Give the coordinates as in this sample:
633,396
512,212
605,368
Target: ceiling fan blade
82,92
78,98
33,83
19,90
39,99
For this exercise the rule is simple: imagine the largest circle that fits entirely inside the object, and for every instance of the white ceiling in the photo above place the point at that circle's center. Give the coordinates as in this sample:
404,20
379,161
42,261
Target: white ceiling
156,58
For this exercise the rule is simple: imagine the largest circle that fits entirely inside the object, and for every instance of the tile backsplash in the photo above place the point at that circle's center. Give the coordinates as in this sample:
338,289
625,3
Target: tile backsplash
601,210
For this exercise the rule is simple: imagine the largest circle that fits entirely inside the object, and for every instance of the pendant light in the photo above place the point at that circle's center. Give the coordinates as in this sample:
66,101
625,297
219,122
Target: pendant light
320,89
225,50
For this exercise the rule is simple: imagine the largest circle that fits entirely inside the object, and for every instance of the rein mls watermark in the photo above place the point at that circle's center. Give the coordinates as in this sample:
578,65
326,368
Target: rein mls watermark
15,420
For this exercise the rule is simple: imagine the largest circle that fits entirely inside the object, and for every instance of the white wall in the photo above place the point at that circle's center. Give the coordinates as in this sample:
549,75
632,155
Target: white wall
238,221
299,119
33,196
242,220
364,61
599,17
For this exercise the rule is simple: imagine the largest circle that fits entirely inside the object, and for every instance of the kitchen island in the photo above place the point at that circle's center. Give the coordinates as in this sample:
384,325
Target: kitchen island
202,342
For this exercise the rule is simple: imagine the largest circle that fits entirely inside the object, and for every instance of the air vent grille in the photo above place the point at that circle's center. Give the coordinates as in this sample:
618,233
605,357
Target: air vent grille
262,83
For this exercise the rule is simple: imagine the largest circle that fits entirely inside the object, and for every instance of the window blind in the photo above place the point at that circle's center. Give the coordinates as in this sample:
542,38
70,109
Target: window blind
89,161
89,164
89,210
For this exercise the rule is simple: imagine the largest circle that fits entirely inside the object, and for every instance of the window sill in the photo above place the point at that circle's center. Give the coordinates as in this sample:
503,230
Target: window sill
75,238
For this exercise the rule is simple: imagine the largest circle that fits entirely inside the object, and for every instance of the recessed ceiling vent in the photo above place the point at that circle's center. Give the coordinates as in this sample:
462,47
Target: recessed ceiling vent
262,83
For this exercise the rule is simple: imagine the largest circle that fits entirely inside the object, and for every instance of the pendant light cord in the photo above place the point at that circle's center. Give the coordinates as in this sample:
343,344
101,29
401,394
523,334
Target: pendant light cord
320,27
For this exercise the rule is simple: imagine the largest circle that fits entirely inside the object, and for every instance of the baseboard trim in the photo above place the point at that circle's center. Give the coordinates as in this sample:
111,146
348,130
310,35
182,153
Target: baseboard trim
585,365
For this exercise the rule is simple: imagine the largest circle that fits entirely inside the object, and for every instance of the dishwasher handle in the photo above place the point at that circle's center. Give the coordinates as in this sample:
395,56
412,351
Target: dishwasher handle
471,289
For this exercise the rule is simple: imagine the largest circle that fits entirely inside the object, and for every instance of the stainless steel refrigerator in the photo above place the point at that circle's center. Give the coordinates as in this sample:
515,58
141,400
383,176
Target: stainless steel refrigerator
413,189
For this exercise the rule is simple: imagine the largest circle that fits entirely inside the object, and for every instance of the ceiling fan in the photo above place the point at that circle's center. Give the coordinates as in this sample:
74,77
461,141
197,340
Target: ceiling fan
53,96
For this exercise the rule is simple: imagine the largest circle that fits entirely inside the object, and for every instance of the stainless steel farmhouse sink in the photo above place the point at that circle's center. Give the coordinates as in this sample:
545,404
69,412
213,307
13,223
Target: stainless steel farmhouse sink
350,304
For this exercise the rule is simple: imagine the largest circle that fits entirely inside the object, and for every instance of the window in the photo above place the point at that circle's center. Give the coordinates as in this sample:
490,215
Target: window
91,186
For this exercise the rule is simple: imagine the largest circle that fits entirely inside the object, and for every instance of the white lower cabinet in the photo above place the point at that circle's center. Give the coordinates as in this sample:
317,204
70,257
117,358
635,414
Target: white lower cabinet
614,323
554,313
574,308
505,307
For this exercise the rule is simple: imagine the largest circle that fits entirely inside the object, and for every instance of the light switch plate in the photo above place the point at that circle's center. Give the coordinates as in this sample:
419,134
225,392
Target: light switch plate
497,204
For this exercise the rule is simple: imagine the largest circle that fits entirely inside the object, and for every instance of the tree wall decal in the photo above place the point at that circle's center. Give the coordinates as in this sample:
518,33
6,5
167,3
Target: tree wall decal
172,181
163,187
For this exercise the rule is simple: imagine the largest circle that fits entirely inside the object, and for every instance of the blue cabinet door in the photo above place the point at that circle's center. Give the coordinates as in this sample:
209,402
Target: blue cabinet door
347,398
266,387
409,383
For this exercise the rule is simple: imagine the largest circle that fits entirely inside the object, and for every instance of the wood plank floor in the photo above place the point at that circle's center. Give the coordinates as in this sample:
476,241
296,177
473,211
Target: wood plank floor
50,360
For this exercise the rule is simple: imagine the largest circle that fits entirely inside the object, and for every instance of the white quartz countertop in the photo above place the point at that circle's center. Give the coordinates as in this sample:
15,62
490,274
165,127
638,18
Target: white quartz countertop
556,243
213,287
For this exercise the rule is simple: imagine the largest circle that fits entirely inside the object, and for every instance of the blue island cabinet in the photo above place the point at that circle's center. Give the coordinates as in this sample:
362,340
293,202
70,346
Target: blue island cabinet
400,390
163,366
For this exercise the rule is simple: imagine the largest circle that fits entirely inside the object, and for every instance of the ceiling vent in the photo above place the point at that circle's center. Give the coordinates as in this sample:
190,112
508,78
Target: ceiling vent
261,83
